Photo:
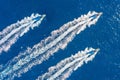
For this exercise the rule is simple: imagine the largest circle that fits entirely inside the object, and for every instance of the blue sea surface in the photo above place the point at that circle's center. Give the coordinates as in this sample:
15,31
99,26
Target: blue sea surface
105,34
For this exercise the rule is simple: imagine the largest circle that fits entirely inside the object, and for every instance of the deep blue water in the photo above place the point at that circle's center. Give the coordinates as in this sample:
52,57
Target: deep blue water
105,34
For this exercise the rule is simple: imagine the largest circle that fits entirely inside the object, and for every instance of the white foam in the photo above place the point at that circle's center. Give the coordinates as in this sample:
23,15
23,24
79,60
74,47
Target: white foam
13,32
66,67
40,52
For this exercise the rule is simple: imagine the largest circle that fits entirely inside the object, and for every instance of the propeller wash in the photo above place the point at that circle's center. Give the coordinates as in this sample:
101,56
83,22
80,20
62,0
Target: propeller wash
40,52
13,32
65,67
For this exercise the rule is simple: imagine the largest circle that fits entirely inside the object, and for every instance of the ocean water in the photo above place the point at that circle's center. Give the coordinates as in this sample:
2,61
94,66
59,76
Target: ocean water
105,34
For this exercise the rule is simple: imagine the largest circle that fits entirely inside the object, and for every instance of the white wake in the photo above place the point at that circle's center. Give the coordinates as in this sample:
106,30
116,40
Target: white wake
40,52
67,66
13,32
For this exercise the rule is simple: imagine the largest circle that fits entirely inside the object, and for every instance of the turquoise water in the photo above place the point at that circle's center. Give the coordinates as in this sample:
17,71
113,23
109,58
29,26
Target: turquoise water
104,34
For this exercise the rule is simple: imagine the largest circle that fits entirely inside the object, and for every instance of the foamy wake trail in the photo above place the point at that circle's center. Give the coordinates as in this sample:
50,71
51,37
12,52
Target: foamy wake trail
13,32
67,66
40,52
